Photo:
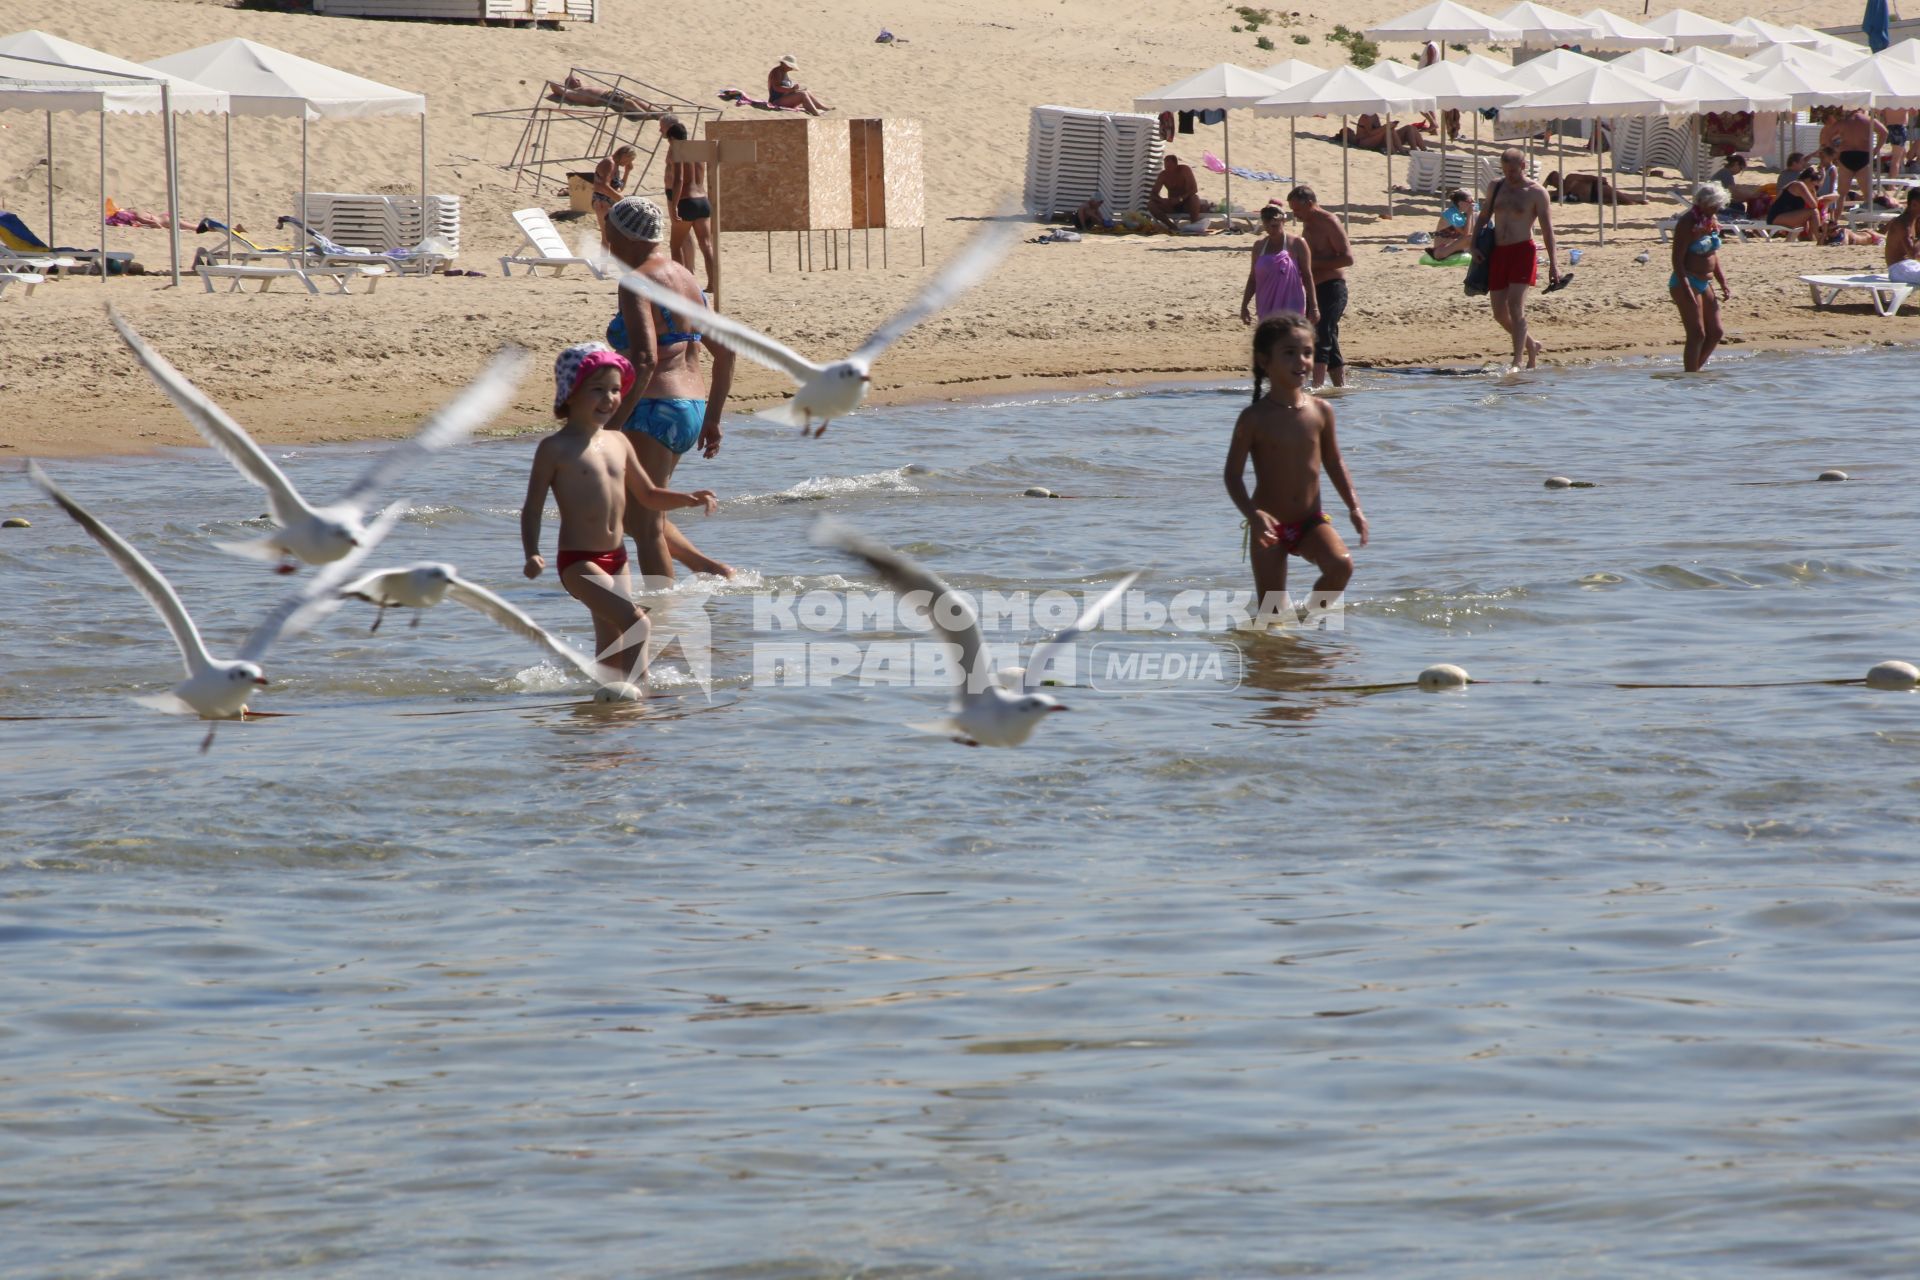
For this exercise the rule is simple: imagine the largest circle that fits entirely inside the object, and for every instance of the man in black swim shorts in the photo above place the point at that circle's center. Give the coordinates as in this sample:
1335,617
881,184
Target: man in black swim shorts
1332,255
687,198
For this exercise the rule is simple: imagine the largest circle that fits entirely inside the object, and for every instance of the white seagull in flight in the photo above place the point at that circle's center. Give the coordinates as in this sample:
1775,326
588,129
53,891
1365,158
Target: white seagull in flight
303,532
217,688
829,391
421,586
991,715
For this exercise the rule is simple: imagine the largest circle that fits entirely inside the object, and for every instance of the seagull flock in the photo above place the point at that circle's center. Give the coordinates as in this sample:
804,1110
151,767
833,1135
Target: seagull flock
999,709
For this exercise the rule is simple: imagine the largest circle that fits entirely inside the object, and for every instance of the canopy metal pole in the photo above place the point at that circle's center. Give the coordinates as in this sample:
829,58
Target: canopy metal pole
1390,166
100,210
51,238
1226,145
303,184
229,120
1613,151
423,176
173,180
1599,185
1346,190
1293,148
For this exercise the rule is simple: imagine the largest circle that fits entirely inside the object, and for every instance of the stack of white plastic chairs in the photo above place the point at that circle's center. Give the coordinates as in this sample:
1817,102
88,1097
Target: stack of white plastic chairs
1074,155
379,223
1430,172
1657,141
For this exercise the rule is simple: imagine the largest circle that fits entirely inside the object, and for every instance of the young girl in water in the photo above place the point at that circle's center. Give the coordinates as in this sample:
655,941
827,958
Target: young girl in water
1289,435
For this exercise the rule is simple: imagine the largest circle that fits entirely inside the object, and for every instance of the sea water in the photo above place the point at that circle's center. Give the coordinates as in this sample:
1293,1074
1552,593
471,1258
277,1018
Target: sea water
1605,967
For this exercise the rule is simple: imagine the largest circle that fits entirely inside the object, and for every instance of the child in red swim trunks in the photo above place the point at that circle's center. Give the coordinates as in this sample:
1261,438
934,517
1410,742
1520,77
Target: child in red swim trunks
1289,435
592,472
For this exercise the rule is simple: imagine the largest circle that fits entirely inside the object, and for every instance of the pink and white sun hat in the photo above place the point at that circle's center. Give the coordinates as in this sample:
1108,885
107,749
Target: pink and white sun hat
578,362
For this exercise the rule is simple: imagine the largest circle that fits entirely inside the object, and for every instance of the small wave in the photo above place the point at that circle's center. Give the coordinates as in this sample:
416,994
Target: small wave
820,488
544,677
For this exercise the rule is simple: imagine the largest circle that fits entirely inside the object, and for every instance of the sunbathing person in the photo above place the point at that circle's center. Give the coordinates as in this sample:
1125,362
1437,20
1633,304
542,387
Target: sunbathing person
1453,234
1903,242
782,91
1091,214
1796,207
1369,134
575,94
1176,190
1578,188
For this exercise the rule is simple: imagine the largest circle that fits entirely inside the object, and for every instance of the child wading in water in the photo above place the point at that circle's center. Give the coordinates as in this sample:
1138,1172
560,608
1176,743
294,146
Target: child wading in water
592,472
1289,435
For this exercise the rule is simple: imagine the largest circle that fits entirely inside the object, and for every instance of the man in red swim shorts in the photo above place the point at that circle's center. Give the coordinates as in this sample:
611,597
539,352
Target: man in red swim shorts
1515,202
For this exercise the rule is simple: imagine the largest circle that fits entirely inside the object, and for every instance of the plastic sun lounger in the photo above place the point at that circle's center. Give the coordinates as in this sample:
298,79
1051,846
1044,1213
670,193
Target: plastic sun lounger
549,248
1886,294
30,280
238,248
237,273
332,253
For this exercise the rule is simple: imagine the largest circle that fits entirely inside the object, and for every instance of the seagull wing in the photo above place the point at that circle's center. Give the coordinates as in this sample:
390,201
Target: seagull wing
228,437
962,271
451,423
904,575
1087,621
481,600
321,595
146,579
731,334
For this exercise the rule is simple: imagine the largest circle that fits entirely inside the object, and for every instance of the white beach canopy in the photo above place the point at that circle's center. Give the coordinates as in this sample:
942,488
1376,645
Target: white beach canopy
1346,91
1650,63
1604,92
1712,91
166,94
1809,88
1905,51
1688,29
264,81
1456,86
1725,63
1544,28
1388,69
1618,34
1291,71
1551,69
1444,21
1804,57
1831,45
1893,83
1769,33
1481,62
1221,87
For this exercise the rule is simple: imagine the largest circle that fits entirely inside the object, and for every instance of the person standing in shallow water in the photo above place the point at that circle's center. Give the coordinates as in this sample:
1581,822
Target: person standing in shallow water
1696,269
1514,203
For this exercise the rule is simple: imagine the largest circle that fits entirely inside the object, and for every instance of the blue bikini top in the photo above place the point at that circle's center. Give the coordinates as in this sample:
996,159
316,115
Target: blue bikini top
666,335
1455,218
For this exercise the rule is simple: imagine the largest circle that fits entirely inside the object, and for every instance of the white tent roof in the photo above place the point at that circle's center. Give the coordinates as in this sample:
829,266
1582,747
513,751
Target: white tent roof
1481,62
265,81
1602,93
1550,69
1388,69
1810,88
1292,71
1541,26
1618,33
1716,92
1894,83
1905,51
1801,56
1341,92
89,63
1456,86
1769,33
34,86
1725,63
1688,29
1832,46
1443,20
1650,63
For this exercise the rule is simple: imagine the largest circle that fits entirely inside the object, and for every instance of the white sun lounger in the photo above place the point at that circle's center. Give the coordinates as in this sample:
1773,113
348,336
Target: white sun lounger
549,249
339,276
1886,294
29,279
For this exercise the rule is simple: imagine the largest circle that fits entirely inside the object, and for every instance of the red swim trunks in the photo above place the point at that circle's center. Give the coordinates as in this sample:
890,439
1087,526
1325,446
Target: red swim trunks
611,561
1512,264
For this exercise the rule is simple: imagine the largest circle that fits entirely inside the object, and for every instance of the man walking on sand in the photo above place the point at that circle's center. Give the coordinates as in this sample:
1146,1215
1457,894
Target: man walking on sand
1514,202
1331,256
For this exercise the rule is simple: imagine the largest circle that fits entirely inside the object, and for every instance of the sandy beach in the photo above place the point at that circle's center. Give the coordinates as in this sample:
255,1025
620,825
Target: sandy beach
1104,311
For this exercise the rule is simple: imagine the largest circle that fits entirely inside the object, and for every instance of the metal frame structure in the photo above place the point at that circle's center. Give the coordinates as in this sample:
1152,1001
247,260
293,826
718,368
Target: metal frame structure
601,129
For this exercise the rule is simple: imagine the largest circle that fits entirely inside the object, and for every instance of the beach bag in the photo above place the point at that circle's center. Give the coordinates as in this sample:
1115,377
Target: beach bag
1476,281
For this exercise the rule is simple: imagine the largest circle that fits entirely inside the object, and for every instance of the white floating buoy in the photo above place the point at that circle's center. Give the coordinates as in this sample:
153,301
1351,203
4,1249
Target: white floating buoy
1831,475
16,522
1893,675
618,693
1444,676
1559,482
1037,492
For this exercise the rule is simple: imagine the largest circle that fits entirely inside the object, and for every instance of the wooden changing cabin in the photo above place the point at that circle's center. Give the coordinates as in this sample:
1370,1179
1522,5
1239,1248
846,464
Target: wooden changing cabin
466,10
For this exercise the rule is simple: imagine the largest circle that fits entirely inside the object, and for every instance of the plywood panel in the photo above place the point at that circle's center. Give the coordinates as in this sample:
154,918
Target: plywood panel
887,173
797,183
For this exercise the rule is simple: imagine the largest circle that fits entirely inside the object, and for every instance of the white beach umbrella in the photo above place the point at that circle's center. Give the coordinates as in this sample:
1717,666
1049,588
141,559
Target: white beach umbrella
1456,86
1805,57
1726,64
164,93
1905,51
1603,93
1713,91
1892,83
1481,62
1388,69
1346,91
1687,29
1220,87
1551,68
1291,71
1650,63
1444,21
1544,28
1769,33
1831,45
1808,88
1618,34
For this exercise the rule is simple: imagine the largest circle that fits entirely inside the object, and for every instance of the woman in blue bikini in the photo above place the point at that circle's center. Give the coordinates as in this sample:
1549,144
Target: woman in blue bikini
1696,268
669,409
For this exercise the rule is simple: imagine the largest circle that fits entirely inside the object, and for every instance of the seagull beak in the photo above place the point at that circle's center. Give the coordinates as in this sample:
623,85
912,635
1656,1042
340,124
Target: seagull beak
1051,710
866,377
262,680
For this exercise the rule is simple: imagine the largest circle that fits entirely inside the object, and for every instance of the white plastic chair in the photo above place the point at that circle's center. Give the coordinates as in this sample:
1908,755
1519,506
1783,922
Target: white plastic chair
549,248
1886,294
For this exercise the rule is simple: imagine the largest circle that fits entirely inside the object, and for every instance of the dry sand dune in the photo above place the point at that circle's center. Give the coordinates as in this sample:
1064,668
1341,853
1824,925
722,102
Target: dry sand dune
305,368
